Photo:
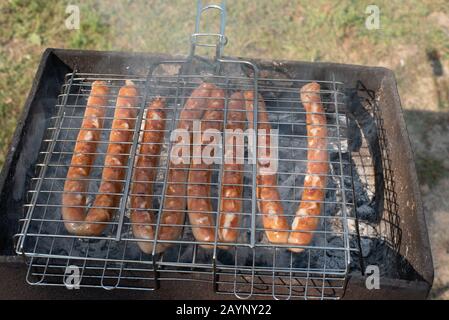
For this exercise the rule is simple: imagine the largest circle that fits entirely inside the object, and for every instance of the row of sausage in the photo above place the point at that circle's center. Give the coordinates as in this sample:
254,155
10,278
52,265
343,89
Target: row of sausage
188,184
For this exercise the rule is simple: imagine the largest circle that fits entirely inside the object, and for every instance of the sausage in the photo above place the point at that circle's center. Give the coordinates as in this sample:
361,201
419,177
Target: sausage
232,181
142,218
83,157
76,220
269,201
173,213
199,203
306,221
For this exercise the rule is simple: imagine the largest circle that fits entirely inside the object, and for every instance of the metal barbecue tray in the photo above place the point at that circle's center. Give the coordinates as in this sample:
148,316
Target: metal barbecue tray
372,212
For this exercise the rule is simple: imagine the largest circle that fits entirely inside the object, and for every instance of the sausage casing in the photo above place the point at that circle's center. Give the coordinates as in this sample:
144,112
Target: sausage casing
306,220
199,203
232,181
75,219
142,218
173,214
269,201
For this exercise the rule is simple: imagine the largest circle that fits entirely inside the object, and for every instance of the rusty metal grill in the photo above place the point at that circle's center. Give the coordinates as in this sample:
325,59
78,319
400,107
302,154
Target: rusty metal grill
250,267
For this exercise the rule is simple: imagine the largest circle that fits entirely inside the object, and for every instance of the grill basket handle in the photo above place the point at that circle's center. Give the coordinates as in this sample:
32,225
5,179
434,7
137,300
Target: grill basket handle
203,39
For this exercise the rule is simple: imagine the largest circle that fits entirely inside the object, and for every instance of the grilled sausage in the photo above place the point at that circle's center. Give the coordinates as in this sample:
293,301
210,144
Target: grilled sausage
306,221
269,200
199,203
173,214
142,218
232,181
76,220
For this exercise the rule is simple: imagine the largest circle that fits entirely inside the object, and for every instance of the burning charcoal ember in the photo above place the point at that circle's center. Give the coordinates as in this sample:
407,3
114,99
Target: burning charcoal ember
365,212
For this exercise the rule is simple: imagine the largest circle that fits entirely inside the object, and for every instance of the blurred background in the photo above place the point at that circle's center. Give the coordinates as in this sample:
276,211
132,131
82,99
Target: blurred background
412,40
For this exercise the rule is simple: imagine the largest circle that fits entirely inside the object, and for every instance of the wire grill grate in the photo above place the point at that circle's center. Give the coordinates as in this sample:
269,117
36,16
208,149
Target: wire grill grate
251,266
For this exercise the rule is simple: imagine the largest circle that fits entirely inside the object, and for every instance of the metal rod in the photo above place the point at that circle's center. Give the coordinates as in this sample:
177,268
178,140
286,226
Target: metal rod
221,38
129,172
44,170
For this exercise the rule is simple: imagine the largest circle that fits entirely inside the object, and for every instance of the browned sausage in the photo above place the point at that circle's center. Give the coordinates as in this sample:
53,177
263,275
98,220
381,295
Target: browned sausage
313,194
269,201
232,180
145,173
173,214
75,219
199,203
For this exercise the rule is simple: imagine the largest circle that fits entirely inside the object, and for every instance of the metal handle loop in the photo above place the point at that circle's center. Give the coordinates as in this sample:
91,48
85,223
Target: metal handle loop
199,39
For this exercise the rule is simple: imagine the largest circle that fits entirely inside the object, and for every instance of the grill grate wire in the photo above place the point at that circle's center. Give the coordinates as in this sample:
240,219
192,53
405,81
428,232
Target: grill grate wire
114,254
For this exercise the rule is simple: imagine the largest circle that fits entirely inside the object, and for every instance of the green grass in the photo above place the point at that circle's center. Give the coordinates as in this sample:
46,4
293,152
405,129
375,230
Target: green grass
26,29
93,32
